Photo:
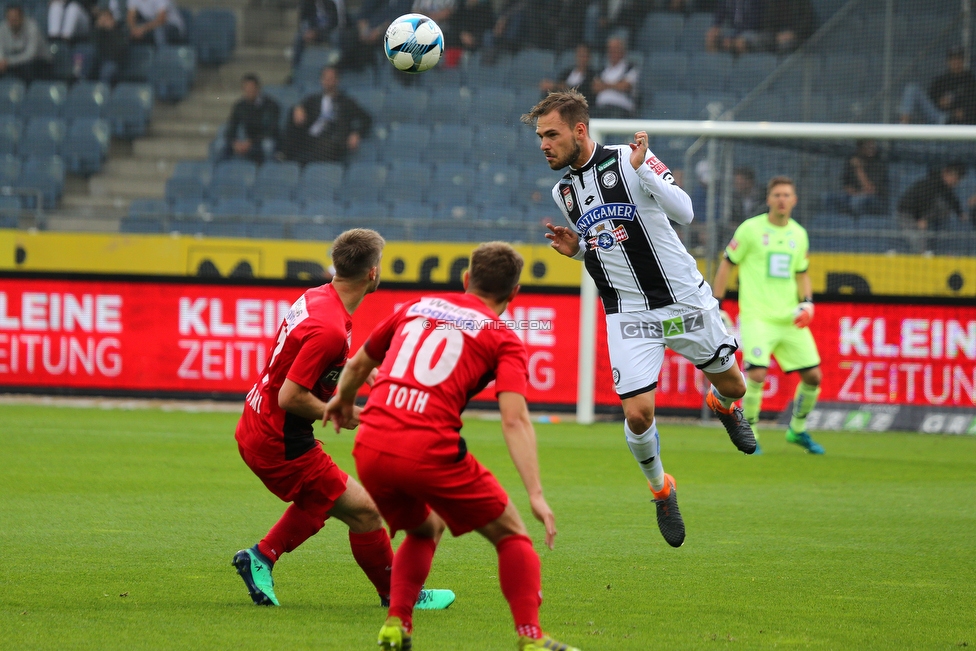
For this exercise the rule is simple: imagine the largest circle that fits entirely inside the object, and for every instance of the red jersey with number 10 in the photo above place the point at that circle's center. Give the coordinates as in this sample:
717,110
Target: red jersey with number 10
437,353
310,350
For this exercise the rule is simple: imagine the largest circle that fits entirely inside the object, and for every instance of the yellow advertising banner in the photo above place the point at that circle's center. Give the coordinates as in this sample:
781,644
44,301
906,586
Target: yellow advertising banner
425,262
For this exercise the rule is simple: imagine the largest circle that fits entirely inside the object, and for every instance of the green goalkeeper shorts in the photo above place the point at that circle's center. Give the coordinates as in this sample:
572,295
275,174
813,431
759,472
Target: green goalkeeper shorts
794,348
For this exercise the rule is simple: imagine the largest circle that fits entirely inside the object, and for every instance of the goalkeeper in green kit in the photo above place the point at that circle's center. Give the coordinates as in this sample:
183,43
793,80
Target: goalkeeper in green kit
775,306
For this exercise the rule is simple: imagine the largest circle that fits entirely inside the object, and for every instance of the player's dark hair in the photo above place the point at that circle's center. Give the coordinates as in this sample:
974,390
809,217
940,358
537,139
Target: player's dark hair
356,251
780,180
570,104
495,270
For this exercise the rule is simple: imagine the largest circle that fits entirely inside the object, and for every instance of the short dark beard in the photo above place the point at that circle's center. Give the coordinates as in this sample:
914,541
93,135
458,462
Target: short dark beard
573,157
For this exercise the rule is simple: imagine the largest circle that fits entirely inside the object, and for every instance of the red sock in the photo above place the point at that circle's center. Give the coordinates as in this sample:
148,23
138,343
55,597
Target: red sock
295,527
411,565
375,555
520,573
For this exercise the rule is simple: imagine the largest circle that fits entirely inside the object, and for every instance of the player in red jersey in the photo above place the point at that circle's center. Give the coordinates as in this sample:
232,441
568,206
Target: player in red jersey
434,354
274,434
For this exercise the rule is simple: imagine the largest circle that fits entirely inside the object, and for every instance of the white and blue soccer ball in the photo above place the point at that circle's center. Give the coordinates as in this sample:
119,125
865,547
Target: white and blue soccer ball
414,43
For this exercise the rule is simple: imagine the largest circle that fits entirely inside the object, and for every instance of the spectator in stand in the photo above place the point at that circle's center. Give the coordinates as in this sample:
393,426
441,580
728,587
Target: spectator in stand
326,126
737,28
68,20
931,202
789,24
318,20
473,19
252,131
361,46
155,22
111,45
951,97
748,199
520,24
865,181
579,76
618,17
24,51
616,86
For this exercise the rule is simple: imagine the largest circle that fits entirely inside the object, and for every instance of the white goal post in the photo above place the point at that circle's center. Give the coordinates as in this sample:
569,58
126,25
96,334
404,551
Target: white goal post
714,129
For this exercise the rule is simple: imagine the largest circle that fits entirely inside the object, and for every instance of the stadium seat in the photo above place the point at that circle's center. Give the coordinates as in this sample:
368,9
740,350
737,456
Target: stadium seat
184,188
672,105
723,101
129,108
406,181
265,230
42,137
234,207
450,143
363,181
86,99
11,128
749,70
138,63
86,145
11,95
371,99
320,181
324,209
315,232
693,35
494,142
454,184
173,72
449,105
664,71
478,74
492,105
148,208
143,224
414,211
46,174
412,138
405,104
214,35
61,64
276,181
369,210
529,66
660,32
280,208
44,99
193,169
710,71
232,179
443,77
222,228
10,166
309,69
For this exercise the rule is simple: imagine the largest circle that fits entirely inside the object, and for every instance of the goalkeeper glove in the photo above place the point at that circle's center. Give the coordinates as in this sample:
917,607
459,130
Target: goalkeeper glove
803,315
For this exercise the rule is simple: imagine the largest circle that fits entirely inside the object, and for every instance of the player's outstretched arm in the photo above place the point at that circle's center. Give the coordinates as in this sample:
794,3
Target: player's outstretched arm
657,181
520,439
342,410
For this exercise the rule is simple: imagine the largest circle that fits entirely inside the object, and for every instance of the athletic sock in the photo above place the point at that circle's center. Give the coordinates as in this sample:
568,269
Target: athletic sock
295,527
520,575
374,554
725,402
804,400
752,402
411,565
646,448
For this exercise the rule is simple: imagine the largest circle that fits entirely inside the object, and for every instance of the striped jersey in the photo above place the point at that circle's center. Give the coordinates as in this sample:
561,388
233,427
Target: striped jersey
623,219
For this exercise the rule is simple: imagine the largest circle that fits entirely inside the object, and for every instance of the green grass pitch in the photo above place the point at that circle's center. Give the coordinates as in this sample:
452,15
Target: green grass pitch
117,530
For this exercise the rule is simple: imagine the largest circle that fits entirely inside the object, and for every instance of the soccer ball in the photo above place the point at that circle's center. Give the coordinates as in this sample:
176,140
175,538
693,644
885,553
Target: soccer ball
413,43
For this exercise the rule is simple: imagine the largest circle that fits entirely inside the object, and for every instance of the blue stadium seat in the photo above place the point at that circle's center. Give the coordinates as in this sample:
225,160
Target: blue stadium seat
530,65
10,166
46,174
369,209
276,181
450,143
86,145
693,36
44,99
143,224
406,181
138,63
409,139
371,99
188,206
672,105
173,72
309,69
363,181
405,104
413,210
222,228
324,209
315,232
280,208
724,100
710,71
148,208
495,142
214,35
180,189
234,207
86,99
453,184
232,179
10,206
265,230
492,105
479,75
499,179
61,63
664,71
456,214
449,105
749,70
320,181
660,32
193,169
129,108
42,137
11,129
11,95
442,77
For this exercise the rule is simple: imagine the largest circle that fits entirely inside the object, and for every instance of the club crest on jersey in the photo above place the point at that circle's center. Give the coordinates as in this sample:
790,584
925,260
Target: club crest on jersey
606,212
609,179
568,197
656,165
606,239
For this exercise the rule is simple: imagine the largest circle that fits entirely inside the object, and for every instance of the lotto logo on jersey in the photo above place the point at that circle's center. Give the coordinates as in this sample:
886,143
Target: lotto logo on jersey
656,165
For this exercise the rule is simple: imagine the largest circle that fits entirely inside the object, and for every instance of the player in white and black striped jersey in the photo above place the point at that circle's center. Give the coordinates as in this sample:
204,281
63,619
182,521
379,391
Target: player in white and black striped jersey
619,201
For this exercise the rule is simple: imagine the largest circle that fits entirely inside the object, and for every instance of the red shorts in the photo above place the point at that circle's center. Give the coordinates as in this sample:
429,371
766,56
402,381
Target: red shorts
312,481
465,493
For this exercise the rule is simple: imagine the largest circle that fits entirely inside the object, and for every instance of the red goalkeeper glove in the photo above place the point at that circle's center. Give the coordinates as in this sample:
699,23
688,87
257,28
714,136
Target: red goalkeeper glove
803,315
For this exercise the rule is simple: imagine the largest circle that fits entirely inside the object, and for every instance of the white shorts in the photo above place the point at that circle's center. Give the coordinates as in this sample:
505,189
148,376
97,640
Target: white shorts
693,328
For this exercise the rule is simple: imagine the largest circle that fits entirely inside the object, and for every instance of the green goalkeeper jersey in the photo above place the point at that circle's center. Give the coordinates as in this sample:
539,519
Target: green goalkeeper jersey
768,257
